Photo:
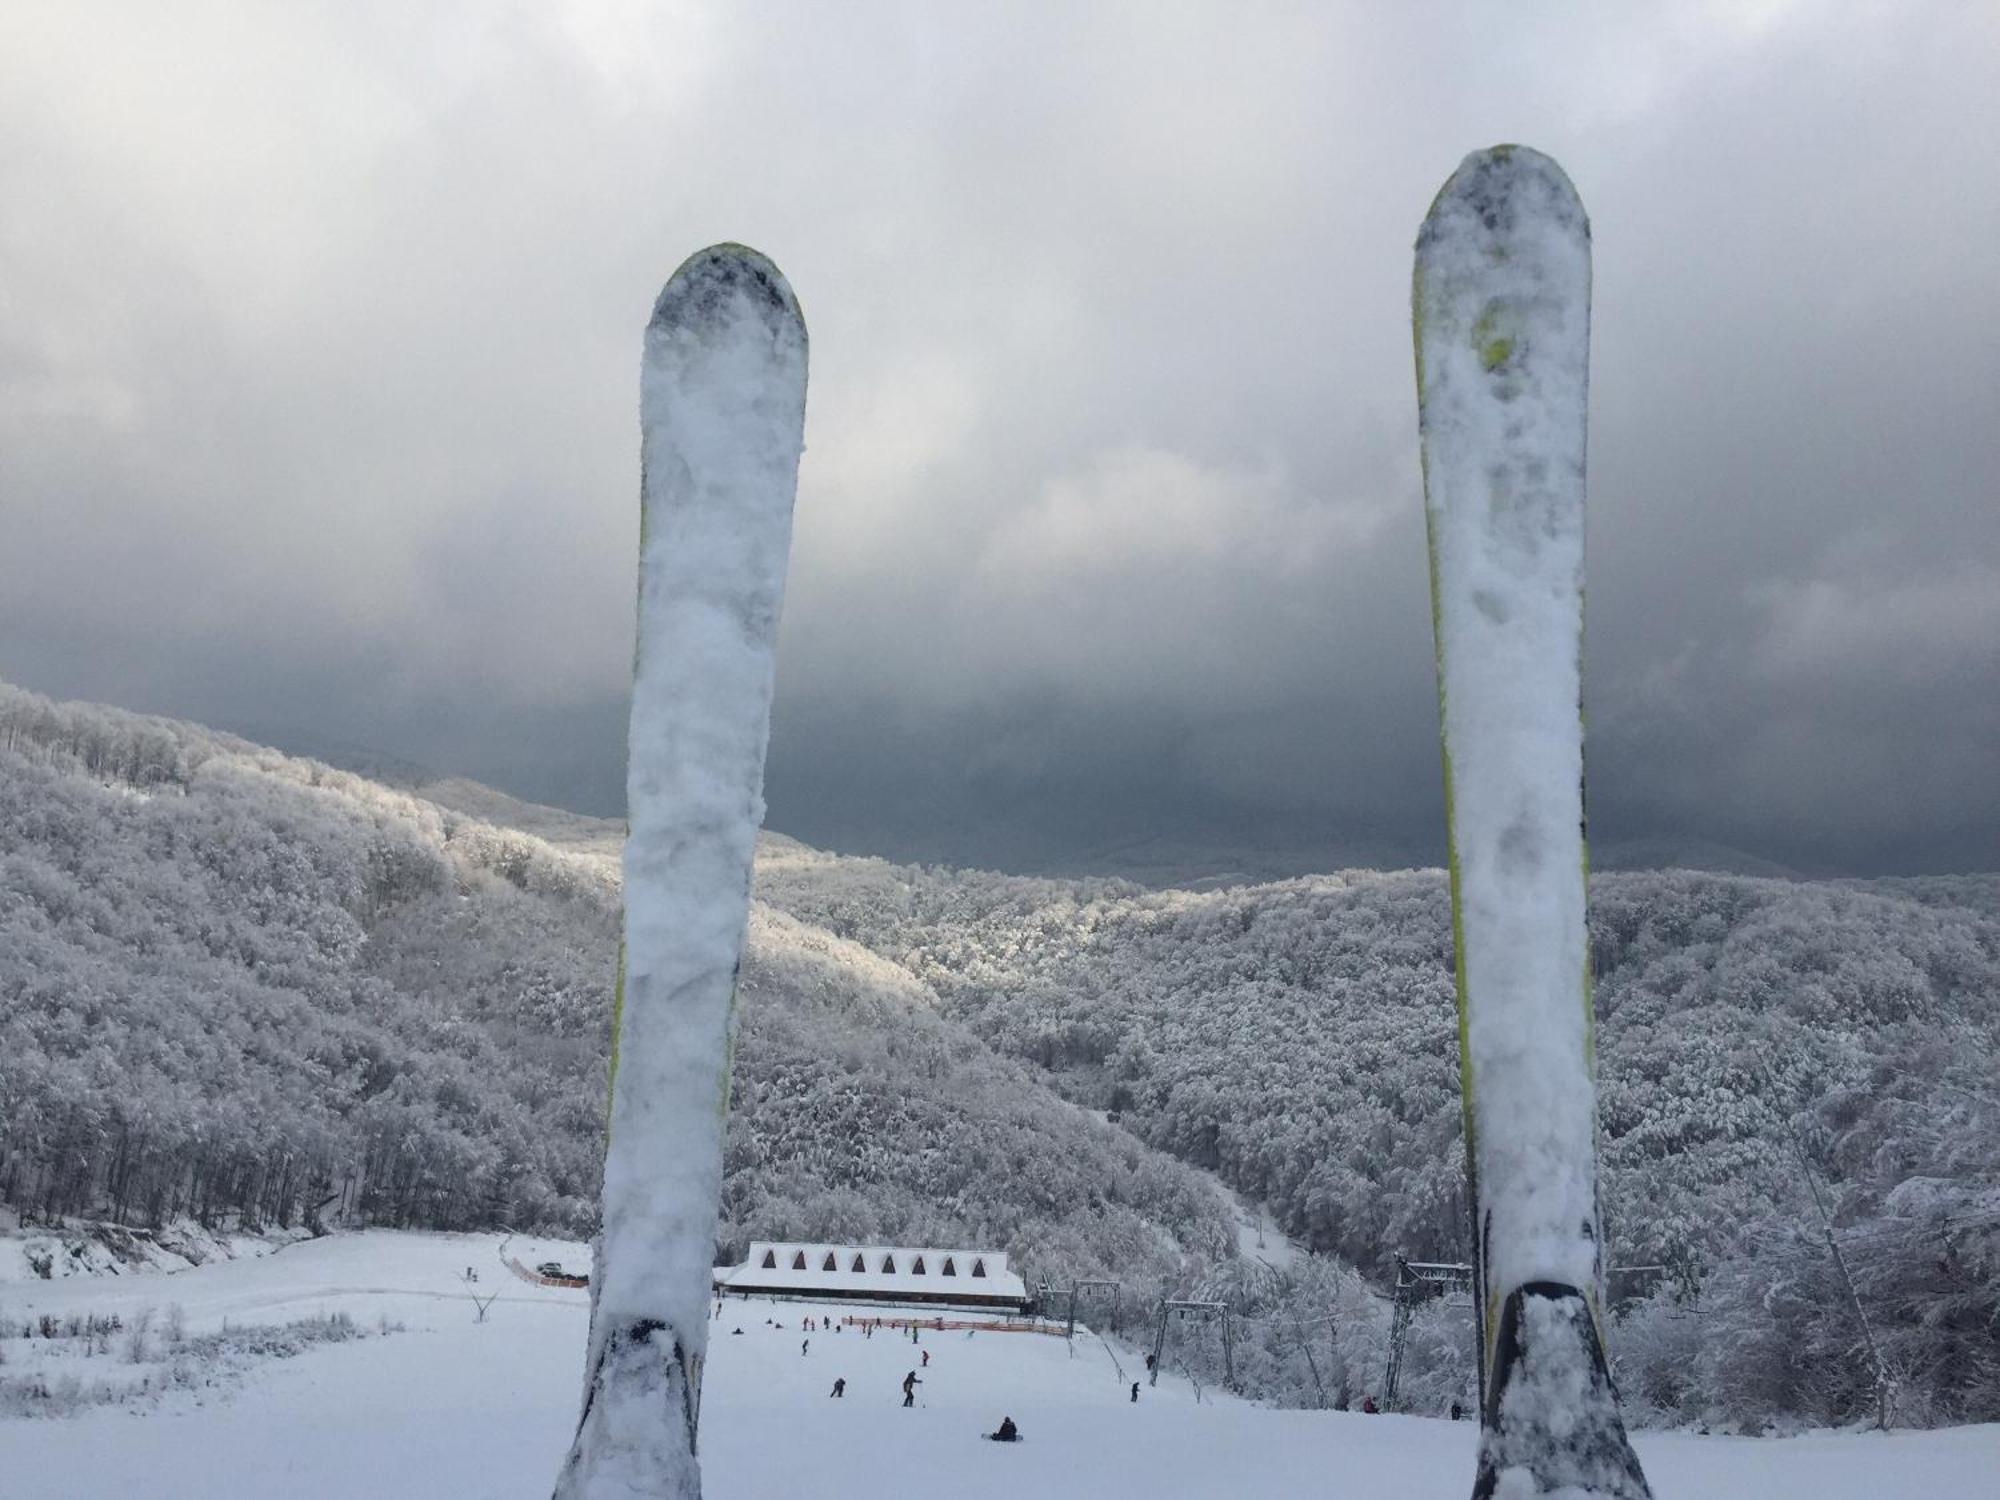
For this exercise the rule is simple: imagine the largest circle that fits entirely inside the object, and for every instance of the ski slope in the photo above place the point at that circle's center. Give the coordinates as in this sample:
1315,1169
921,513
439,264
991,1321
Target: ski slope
451,1408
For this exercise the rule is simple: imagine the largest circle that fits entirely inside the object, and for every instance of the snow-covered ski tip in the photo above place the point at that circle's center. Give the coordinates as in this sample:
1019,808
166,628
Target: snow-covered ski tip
1501,305
722,412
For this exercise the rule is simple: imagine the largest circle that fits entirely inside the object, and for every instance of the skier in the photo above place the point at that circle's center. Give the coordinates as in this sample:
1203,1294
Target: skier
805,1347
840,1387
927,1359
910,1384
1135,1393
1007,1433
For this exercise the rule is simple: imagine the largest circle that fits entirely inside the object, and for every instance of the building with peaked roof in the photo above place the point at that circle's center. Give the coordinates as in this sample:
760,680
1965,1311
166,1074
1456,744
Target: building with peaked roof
877,1273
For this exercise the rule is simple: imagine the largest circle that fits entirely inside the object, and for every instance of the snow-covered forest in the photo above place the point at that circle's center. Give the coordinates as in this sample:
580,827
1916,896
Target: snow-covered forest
245,987
241,986
1757,1038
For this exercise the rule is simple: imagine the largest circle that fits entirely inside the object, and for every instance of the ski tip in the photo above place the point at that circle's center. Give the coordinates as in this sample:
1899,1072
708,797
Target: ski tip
1551,1424
725,274
1496,192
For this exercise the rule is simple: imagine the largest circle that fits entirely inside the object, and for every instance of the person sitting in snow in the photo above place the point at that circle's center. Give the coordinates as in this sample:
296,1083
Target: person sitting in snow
1008,1432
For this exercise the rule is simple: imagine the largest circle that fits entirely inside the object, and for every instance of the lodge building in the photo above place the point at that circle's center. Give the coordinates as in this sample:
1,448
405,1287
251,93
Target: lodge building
877,1273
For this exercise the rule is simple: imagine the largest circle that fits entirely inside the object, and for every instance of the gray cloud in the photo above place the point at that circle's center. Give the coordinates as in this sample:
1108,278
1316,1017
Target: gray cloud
319,334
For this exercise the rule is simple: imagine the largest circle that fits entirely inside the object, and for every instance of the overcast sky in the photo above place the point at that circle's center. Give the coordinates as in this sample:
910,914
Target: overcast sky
319,344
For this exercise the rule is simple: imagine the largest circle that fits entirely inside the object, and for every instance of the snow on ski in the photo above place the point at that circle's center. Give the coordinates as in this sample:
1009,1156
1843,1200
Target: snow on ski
1501,305
722,411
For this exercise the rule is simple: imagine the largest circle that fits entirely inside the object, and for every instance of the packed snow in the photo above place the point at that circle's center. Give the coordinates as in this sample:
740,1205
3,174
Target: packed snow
451,1406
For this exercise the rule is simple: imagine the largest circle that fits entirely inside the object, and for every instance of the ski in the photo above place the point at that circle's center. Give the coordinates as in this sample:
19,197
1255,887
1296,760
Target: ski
722,410
1501,307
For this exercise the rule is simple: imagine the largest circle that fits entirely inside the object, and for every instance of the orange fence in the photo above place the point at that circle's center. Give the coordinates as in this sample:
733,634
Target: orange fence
540,1280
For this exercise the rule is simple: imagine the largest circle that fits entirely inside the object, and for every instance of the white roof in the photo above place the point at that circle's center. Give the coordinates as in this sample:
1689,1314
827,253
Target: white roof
884,1270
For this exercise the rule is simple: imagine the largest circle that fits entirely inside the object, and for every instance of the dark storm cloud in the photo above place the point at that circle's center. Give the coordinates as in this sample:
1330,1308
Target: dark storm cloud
318,341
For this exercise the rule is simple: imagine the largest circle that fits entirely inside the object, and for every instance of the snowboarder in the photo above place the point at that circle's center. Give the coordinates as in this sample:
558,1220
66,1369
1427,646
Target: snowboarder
1135,1393
927,1359
910,1384
1007,1433
840,1387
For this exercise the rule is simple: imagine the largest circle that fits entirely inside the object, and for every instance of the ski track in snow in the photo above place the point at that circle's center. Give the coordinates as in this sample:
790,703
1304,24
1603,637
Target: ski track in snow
455,1408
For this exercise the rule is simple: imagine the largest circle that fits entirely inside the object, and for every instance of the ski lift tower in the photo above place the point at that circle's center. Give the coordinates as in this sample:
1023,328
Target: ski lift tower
1201,1312
1419,1281
1050,1297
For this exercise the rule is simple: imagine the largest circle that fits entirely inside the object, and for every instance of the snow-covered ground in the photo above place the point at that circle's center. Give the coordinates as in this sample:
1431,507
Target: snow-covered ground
452,1407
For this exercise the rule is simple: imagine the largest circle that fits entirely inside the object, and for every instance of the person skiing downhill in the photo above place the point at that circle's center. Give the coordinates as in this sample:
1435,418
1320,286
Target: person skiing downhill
840,1387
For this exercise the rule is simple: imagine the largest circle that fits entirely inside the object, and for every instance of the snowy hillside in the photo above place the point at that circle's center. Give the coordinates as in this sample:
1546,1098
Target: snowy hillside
443,1404
245,987
1754,1036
